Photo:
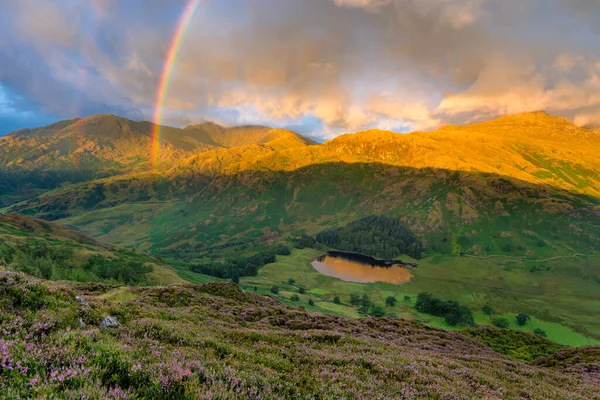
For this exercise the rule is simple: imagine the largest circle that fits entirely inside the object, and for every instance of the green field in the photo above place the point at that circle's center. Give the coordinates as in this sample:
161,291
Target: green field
471,282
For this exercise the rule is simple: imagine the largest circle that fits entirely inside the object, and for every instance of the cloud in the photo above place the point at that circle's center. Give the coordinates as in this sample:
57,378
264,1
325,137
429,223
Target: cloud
346,64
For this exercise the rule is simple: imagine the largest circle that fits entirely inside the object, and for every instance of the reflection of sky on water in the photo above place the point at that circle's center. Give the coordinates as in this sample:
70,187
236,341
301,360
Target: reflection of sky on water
354,271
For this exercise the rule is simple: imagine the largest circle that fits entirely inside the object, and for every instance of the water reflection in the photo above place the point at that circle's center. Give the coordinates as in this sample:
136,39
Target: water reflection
358,268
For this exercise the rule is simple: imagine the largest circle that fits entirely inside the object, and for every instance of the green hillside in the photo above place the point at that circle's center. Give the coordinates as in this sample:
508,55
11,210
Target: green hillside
507,213
52,251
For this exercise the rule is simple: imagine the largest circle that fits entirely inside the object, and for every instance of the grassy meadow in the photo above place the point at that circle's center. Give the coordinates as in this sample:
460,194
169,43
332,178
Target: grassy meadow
473,283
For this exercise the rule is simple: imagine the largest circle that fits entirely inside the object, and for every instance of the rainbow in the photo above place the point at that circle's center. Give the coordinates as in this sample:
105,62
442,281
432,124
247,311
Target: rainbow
169,65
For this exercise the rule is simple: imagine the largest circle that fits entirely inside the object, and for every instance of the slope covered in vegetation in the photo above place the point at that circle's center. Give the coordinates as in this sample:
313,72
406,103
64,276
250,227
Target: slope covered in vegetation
507,213
51,251
215,341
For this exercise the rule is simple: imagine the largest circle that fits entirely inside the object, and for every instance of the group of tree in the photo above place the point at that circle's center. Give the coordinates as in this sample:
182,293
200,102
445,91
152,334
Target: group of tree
235,267
376,236
503,322
59,262
305,241
366,306
453,313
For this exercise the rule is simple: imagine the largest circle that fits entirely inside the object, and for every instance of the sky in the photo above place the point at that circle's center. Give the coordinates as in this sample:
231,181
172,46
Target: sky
320,67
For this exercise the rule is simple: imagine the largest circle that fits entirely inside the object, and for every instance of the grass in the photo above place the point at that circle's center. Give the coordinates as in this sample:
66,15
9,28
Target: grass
164,276
472,283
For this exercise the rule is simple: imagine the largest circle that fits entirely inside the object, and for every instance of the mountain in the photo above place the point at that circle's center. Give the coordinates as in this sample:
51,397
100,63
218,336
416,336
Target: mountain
508,210
52,251
187,341
37,160
240,136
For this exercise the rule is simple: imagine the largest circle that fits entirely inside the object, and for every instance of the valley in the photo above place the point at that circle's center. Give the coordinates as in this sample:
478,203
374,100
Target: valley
511,221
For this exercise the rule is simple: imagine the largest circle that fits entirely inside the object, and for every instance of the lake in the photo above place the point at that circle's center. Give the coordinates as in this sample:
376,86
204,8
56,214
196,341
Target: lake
352,267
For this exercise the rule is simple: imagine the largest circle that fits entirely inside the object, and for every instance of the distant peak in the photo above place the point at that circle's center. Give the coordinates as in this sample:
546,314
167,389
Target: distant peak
537,116
207,124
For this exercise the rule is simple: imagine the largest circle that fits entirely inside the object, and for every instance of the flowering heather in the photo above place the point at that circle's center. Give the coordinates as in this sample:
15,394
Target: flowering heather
215,342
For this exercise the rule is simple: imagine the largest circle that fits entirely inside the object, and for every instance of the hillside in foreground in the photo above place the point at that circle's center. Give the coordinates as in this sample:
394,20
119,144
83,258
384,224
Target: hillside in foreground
215,341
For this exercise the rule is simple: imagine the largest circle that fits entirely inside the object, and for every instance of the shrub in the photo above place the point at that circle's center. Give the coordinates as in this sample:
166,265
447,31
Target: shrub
487,310
295,297
291,281
301,290
390,301
311,302
378,311
274,289
407,299
514,344
365,303
540,332
355,299
522,319
337,300
501,322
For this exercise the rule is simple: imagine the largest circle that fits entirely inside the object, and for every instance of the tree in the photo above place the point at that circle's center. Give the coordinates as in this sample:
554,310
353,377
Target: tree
295,297
301,290
487,310
311,302
235,279
305,241
365,303
453,313
540,332
501,322
377,311
407,299
282,250
451,319
291,281
355,299
390,301
522,319
274,289
337,300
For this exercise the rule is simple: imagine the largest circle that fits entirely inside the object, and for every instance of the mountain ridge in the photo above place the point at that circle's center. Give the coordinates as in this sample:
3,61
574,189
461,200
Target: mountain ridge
82,149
